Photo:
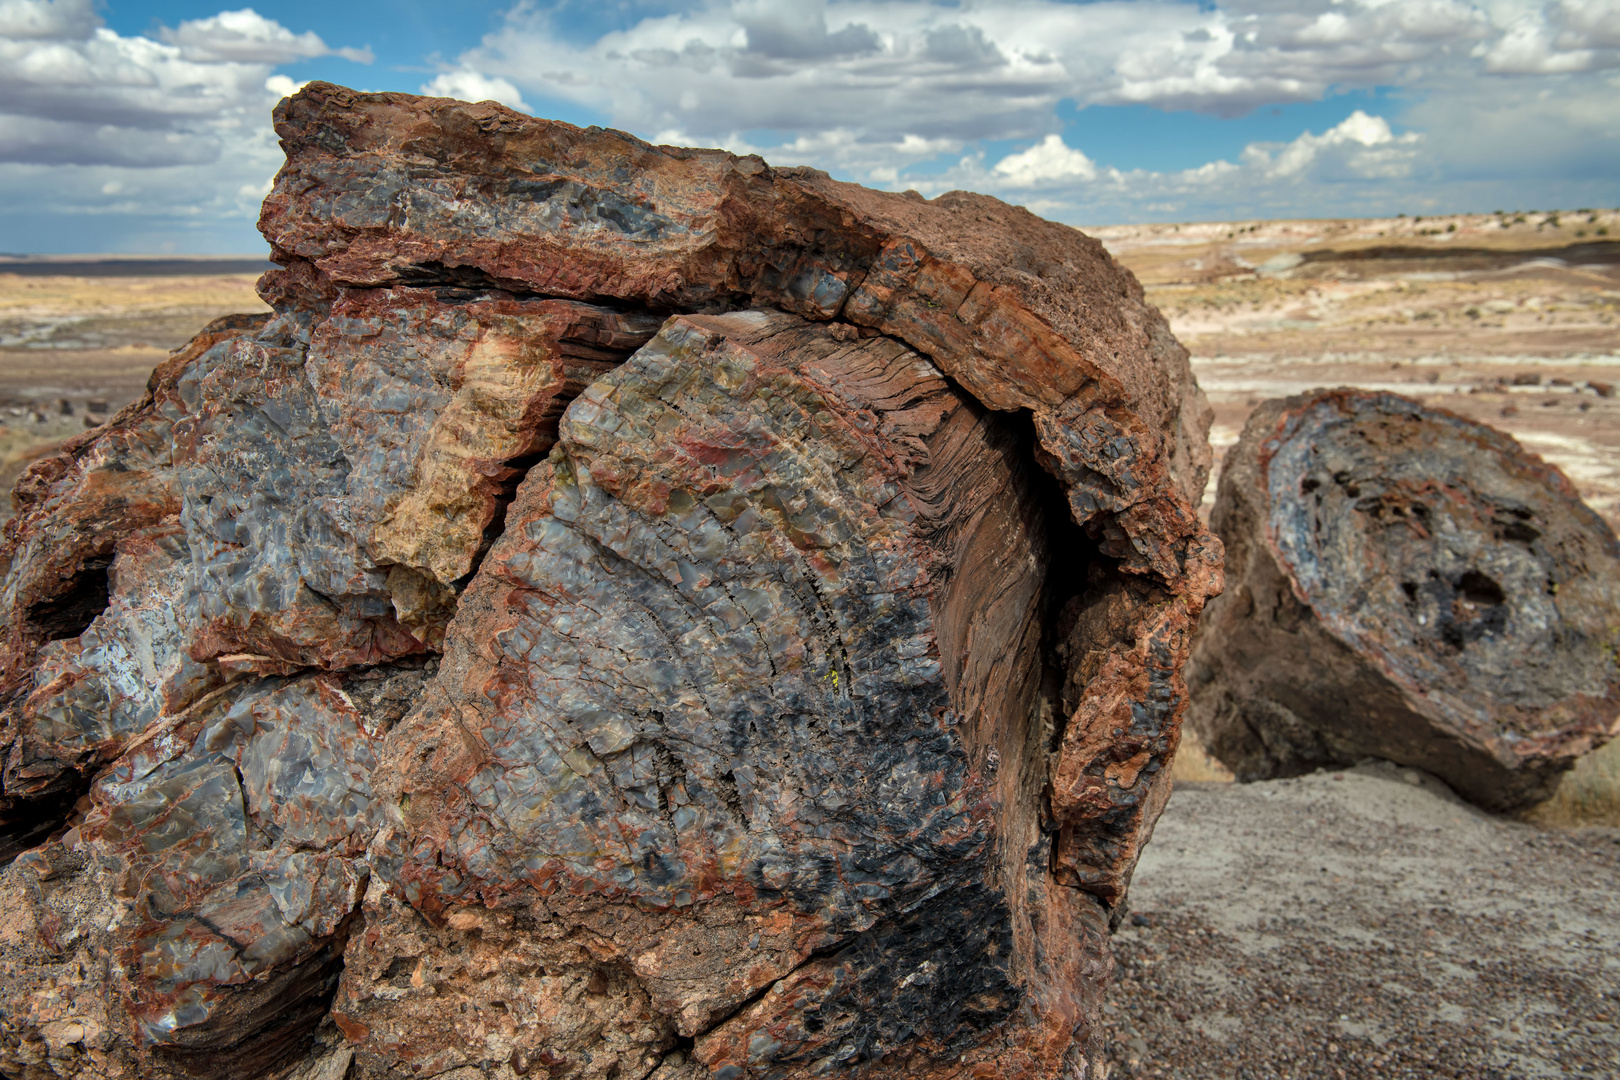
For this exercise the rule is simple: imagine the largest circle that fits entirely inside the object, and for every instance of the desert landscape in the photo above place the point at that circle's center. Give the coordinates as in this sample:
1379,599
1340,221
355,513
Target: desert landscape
1510,319
79,338
1359,923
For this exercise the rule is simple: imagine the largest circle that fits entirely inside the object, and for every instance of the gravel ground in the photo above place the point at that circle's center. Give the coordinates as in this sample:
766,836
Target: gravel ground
1365,924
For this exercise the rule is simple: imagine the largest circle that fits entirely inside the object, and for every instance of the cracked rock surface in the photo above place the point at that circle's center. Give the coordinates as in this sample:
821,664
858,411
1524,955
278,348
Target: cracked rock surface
1407,585
628,612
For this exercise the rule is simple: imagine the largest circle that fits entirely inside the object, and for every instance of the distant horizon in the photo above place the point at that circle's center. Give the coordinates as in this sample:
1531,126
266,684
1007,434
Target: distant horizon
36,258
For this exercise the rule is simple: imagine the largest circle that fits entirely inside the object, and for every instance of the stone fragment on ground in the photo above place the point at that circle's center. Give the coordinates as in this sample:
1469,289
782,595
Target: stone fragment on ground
627,612
1409,585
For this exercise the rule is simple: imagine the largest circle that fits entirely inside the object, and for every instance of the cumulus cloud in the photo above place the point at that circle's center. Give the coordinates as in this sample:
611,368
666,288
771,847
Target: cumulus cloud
247,37
1048,160
1586,24
153,142
59,142
33,19
961,47
798,31
471,86
1360,147
897,93
861,86
1062,181
975,71
74,92
1563,37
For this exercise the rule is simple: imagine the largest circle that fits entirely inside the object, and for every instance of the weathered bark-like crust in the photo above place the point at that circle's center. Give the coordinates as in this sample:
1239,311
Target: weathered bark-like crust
629,612
1409,585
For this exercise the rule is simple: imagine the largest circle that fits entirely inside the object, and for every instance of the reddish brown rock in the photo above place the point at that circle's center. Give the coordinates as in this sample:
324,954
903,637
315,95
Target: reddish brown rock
1410,585
788,584
696,724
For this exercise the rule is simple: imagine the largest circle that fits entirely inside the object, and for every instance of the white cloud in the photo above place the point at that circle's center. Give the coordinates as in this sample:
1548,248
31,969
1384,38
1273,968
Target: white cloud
1554,132
971,71
281,86
72,142
1527,48
859,86
1360,146
247,37
1048,160
798,31
159,142
1061,181
1586,24
1564,36
74,92
24,19
896,93
471,86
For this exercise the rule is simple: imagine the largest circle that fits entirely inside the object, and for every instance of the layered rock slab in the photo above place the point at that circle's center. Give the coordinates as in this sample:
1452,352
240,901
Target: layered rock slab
806,710
1409,585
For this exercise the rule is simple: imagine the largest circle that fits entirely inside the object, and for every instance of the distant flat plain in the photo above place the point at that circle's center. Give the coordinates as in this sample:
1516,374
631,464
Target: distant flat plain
1510,319
88,329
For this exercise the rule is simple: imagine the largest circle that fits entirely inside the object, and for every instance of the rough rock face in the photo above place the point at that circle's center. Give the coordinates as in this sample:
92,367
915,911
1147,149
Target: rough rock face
1409,585
629,612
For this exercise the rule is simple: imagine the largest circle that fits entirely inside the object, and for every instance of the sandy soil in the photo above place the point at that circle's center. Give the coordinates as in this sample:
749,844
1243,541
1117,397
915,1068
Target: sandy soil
1365,924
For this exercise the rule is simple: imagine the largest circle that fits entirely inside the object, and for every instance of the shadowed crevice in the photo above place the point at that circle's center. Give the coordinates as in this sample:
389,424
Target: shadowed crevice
71,611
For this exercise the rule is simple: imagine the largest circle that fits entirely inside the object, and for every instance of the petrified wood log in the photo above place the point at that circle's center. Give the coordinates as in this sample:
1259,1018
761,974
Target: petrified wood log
1410,585
629,612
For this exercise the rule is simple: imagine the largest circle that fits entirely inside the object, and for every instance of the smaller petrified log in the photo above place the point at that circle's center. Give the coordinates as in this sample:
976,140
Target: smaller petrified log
1409,585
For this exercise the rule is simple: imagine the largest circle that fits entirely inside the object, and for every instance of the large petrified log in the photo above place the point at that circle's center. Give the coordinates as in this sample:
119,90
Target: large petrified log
629,611
1410,585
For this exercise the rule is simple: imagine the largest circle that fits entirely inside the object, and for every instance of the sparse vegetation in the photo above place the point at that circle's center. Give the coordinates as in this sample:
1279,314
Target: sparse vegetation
1194,764
1588,795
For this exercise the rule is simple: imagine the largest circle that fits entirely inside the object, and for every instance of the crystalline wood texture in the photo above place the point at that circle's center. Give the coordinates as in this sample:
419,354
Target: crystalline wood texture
630,612
1411,585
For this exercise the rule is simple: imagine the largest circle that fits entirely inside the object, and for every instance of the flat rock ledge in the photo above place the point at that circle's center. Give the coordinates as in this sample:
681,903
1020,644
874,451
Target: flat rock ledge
629,612
1407,585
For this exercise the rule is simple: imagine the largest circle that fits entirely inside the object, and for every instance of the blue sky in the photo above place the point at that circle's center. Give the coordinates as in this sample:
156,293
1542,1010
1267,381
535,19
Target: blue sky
145,126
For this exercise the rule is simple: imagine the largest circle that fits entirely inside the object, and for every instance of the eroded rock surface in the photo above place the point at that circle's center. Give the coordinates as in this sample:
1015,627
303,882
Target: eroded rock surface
1409,585
629,612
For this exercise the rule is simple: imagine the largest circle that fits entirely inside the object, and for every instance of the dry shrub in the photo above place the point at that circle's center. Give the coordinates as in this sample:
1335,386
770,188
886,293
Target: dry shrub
1589,793
1193,762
